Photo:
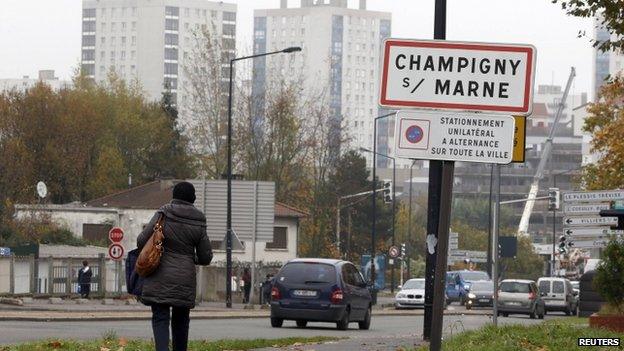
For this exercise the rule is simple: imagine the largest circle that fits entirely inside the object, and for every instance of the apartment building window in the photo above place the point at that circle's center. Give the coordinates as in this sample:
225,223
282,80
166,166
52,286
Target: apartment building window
213,13
112,57
134,11
113,40
133,41
280,236
302,31
103,12
113,26
132,69
123,12
88,13
123,55
204,13
171,68
88,55
186,26
102,70
113,12
172,11
88,40
103,26
229,29
196,12
123,40
103,40
134,26
88,26
102,55
132,55
187,12
171,54
124,26
229,16
171,39
171,24
172,83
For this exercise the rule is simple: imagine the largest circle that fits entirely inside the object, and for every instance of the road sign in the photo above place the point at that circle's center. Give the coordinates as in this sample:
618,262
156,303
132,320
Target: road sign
393,251
543,249
116,234
519,141
590,221
588,244
592,231
454,136
453,235
591,196
5,251
116,251
458,76
585,208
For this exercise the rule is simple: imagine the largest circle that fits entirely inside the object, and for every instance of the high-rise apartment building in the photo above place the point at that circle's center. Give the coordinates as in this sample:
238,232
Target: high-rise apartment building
341,51
150,40
604,63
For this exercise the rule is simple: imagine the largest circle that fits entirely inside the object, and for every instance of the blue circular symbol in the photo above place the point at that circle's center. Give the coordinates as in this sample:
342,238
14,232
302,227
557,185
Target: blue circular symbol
414,134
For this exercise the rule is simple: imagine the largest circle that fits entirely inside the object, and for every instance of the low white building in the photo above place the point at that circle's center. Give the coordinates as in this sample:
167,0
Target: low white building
133,208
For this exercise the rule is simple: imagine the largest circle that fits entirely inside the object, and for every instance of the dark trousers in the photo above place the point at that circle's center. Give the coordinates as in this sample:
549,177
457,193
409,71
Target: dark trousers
247,290
179,327
85,289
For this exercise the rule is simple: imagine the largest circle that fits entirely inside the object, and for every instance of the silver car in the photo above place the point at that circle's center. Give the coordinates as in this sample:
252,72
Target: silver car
518,296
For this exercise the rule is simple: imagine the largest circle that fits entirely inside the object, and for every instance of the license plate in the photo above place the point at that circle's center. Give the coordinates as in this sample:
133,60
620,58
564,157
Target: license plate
304,293
484,300
513,303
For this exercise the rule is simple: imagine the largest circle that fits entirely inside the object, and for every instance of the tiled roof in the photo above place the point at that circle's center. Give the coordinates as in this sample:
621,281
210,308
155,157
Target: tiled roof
154,194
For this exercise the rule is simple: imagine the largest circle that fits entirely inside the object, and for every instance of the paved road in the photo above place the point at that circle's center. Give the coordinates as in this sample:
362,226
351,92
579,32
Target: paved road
402,328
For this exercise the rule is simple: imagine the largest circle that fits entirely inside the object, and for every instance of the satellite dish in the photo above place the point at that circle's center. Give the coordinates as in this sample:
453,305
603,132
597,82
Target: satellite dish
42,190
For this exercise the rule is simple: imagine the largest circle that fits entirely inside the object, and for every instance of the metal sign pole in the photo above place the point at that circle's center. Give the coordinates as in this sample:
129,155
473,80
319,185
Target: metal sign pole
435,192
495,220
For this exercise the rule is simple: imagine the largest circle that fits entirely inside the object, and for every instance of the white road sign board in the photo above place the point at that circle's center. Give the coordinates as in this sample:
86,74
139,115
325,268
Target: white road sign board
585,208
592,196
543,249
455,136
587,244
458,75
590,221
592,231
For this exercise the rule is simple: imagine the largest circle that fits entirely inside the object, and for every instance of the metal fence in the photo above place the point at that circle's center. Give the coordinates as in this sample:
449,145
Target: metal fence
58,276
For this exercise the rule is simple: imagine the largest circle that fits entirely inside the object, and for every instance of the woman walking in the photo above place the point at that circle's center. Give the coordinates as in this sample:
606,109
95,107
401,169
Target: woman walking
170,290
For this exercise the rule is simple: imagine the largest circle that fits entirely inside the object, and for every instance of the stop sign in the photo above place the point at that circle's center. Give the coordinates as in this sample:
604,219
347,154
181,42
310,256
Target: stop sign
116,234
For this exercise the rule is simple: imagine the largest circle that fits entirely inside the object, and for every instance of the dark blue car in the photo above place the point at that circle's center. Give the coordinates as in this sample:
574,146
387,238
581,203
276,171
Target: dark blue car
320,290
458,284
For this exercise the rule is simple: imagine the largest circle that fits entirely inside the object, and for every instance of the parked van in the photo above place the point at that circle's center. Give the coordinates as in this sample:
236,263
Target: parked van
558,295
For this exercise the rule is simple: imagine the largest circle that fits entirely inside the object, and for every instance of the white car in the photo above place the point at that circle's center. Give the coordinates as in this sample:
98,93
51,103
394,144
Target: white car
412,294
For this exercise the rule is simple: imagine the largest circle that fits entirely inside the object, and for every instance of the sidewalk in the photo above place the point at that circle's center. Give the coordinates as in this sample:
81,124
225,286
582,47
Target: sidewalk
111,309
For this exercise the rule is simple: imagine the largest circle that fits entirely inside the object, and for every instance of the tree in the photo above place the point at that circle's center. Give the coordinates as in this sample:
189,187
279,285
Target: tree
611,18
605,121
609,279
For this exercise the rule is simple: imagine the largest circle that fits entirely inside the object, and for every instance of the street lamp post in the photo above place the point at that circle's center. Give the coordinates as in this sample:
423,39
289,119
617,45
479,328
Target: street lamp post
375,153
228,235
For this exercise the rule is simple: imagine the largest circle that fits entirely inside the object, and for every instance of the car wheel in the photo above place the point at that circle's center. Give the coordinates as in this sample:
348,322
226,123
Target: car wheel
276,322
301,324
365,324
343,323
505,314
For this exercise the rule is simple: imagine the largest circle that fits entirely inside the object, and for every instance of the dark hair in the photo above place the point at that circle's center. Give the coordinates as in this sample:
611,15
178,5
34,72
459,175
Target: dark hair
85,263
184,191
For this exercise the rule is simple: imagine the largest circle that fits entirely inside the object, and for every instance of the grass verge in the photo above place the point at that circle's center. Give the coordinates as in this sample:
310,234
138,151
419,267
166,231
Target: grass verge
120,344
551,335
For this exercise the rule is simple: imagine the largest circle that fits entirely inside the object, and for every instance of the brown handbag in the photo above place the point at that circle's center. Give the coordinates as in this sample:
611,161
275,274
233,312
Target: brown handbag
149,258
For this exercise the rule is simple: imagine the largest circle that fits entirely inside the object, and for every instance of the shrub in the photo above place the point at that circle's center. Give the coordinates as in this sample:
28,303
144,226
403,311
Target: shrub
609,278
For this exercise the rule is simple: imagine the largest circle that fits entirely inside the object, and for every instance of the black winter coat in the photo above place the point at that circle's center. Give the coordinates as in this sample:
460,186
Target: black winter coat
186,244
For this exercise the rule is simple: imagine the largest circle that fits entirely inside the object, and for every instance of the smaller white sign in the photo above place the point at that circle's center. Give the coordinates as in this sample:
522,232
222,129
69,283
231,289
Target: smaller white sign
589,244
589,196
455,136
590,221
543,249
453,235
592,231
586,208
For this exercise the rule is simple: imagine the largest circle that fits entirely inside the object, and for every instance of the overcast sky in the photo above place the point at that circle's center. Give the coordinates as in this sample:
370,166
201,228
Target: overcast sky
45,34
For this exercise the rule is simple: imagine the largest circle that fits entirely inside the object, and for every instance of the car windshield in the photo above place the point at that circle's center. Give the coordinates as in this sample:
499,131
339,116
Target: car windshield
558,287
482,286
414,284
307,273
474,275
514,287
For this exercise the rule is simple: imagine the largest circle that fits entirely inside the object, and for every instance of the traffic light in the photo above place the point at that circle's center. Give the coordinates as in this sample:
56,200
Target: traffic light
553,199
387,191
403,250
563,249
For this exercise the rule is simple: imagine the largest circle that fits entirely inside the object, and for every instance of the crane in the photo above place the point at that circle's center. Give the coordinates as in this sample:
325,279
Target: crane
523,227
